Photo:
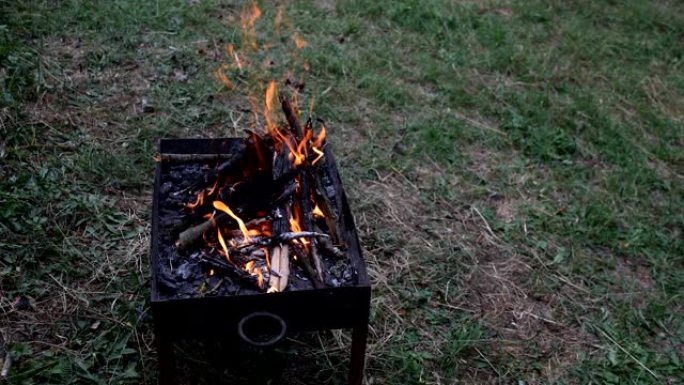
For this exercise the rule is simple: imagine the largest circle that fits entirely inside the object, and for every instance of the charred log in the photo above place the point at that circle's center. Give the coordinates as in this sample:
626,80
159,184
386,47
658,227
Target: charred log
280,224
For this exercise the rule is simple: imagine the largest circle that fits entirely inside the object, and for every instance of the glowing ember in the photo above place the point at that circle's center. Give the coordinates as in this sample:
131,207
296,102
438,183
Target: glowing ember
269,102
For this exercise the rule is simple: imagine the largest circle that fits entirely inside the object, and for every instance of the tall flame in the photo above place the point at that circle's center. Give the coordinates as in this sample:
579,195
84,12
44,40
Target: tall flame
320,137
271,127
218,205
255,270
223,244
269,102
248,18
317,144
301,153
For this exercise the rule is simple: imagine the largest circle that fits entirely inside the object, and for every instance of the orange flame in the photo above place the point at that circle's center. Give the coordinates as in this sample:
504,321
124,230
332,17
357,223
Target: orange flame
212,190
198,202
301,153
254,270
272,128
317,212
299,41
320,137
218,205
222,77
249,15
295,227
317,144
319,153
223,244
269,101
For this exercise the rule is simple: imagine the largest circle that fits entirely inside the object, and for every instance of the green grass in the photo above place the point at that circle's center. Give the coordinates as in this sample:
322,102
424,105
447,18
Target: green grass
516,170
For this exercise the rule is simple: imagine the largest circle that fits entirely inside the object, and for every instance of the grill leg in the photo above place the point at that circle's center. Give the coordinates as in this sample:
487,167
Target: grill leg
358,354
165,358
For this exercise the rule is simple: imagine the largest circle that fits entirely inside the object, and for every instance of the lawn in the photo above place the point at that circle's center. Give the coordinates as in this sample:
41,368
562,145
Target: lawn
516,169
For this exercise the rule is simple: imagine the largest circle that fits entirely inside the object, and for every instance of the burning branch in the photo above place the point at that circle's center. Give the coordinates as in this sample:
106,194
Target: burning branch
304,190
280,268
281,165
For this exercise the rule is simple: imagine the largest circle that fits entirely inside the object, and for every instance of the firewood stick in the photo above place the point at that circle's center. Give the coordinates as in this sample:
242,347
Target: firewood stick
280,225
223,169
282,165
307,223
281,238
304,190
280,268
193,234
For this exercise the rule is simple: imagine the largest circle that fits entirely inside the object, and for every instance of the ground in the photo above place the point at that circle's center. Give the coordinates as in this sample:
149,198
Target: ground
516,169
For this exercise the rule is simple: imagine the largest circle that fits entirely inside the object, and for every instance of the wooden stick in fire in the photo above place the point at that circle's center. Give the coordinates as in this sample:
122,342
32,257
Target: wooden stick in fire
193,234
280,261
304,187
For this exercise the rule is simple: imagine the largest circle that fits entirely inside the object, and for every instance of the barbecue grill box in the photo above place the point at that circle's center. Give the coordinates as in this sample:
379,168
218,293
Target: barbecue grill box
226,316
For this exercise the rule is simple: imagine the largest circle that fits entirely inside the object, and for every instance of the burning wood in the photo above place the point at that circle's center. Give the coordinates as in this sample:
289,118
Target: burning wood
260,217
280,268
